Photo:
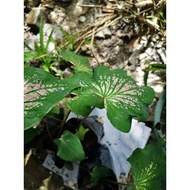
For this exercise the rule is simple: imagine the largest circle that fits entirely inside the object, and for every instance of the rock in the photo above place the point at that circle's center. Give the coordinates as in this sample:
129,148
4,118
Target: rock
57,17
130,68
30,41
140,72
135,76
144,40
159,45
133,59
34,17
107,32
57,34
78,10
100,34
158,90
149,51
67,72
162,53
31,3
142,56
82,19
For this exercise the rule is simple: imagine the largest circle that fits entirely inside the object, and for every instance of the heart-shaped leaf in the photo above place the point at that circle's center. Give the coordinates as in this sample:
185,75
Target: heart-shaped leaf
148,167
118,93
69,147
42,91
80,63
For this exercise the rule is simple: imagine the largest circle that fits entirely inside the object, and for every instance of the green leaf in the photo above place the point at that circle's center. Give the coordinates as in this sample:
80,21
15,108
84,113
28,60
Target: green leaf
153,67
41,36
81,132
38,49
28,56
54,111
50,39
29,48
69,147
42,91
100,172
148,167
159,107
118,93
30,134
80,63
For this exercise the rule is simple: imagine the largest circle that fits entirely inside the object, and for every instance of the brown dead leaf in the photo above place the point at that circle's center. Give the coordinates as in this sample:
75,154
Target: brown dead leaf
133,43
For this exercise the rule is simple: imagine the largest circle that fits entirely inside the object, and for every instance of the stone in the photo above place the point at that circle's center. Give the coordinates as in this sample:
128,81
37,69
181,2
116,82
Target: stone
30,41
107,32
149,51
130,68
67,72
142,56
57,17
140,72
78,10
31,3
162,53
82,19
57,34
158,90
34,17
100,34
133,59
159,45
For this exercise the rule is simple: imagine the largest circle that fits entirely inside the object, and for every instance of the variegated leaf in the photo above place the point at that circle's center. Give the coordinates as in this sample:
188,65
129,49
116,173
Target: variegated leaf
148,167
118,93
41,92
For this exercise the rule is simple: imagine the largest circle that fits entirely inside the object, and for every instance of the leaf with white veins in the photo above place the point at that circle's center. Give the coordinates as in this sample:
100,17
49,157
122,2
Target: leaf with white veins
118,93
42,91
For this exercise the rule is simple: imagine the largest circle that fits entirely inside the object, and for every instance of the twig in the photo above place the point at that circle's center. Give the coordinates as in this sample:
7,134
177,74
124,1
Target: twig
144,3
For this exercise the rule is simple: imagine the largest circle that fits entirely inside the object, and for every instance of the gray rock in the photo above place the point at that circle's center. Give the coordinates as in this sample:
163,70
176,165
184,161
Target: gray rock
35,15
57,17
162,53
142,56
82,19
107,32
133,59
57,34
149,51
67,72
100,34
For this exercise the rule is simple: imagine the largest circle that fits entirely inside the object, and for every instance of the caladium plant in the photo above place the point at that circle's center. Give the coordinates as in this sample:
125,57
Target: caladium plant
115,91
42,91
148,167
99,87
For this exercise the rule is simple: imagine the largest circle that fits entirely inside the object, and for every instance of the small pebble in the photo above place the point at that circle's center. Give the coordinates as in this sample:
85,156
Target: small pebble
82,19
